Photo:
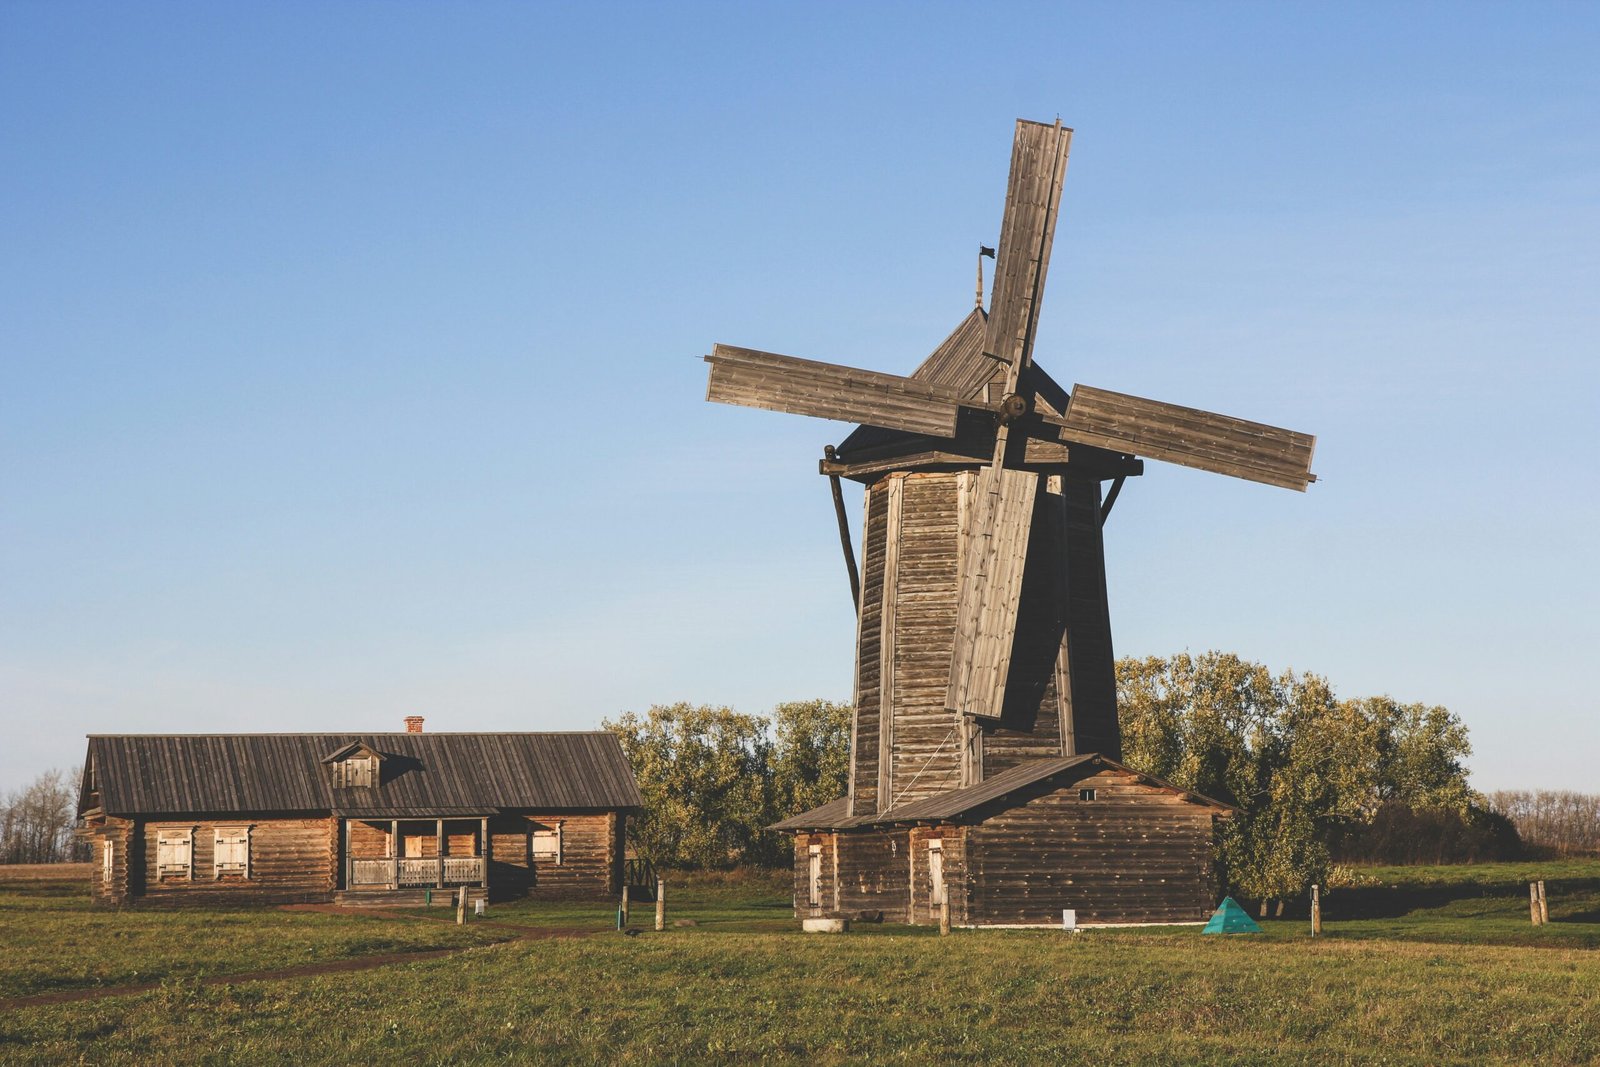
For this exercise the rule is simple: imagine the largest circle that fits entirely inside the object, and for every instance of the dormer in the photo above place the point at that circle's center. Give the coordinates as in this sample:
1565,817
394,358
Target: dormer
355,766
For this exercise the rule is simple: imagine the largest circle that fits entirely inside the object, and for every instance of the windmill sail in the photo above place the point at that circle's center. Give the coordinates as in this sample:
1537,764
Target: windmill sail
1189,437
991,591
828,391
1027,230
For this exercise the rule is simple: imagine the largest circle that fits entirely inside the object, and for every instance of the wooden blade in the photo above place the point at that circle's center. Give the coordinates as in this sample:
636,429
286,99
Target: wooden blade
828,391
1189,437
1033,196
995,550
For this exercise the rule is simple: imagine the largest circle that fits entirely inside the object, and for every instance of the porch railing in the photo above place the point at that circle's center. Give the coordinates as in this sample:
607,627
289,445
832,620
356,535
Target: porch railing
406,873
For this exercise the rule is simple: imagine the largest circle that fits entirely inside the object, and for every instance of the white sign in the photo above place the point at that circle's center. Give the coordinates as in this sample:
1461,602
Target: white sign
1069,919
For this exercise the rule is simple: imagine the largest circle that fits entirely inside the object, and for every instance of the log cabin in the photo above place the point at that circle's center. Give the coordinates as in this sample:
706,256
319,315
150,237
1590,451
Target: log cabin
228,819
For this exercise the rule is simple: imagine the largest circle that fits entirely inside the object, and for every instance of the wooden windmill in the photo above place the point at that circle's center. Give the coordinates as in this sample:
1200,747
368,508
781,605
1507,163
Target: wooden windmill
984,637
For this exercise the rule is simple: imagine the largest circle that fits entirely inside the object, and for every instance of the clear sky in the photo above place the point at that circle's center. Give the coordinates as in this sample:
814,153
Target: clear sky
349,353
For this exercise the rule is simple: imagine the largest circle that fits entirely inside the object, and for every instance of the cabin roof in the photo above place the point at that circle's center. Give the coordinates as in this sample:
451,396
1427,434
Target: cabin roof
424,773
952,803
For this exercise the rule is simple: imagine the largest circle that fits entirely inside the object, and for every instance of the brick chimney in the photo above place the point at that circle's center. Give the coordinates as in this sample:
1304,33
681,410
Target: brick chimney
413,724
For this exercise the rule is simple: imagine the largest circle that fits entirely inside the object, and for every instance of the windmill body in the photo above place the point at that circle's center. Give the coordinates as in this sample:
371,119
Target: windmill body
985,744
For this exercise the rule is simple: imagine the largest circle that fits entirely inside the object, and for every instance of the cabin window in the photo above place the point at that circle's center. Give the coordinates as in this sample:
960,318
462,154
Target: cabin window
356,772
936,891
546,845
108,861
174,849
814,895
232,851
1086,794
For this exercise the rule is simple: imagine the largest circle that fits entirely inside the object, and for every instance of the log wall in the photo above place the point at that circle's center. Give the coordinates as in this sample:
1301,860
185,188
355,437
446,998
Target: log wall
291,861
1134,854
590,867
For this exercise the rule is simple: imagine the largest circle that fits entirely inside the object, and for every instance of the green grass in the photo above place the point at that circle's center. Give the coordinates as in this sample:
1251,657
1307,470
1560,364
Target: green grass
54,940
1430,985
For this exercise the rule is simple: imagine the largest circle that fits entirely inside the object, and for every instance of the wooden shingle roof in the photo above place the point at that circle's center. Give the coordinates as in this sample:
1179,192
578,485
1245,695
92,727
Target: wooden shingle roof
954,803
424,773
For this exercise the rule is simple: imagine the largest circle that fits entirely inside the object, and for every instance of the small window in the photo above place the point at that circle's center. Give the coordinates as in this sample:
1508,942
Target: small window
1086,794
173,851
232,852
546,845
108,861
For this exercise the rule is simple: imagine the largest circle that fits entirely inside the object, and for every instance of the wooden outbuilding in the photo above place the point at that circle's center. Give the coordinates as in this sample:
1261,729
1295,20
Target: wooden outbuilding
1079,833
347,818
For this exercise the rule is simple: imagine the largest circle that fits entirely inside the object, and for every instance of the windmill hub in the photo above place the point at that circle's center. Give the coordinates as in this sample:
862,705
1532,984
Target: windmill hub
1013,406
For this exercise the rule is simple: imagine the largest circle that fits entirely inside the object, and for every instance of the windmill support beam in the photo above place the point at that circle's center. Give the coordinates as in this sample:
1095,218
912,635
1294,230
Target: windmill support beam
844,535
1111,498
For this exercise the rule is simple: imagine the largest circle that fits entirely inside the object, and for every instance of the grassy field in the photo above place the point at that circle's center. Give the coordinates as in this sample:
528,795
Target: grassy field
53,940
1448,980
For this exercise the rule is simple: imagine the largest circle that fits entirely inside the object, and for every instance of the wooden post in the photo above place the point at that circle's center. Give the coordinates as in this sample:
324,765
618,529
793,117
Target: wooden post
661,903
483,854
1316,911
394,847
461,906
944,917
624,904
349,860
1533,902
438,851
1544,905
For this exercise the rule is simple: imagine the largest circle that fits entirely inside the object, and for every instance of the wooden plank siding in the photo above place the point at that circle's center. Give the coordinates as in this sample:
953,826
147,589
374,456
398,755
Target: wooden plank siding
927,743
864,750
1134,854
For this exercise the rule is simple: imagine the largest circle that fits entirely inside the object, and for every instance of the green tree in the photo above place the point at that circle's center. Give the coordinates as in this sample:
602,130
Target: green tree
705,776
811,755
1302,766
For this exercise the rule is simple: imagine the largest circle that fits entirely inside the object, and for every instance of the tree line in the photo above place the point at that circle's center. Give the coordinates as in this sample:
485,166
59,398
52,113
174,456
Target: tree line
1317,780
36,823
1557,822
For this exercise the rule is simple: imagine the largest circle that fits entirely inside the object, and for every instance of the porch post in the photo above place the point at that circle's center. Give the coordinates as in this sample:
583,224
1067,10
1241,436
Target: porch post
394,849
349,863
483,852
438,848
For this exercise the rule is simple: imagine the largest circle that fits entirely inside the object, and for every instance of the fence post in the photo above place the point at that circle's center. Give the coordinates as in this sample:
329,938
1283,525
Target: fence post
661,903
944,917
1533,902
461,907
1544,905
624,905
1316,911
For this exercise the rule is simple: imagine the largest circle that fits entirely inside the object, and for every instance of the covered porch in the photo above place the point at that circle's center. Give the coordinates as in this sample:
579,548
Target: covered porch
444,851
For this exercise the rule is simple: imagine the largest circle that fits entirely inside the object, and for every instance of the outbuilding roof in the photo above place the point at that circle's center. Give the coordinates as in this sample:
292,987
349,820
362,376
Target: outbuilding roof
423,773
953,803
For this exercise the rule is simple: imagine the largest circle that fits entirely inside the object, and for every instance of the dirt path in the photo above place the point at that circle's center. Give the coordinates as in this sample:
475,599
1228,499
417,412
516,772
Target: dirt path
306,970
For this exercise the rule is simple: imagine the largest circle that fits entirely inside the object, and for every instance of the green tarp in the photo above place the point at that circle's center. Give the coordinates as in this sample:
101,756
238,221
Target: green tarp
1229,918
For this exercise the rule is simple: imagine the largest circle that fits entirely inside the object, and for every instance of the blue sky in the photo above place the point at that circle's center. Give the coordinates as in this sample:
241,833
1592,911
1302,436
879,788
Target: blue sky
349,354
